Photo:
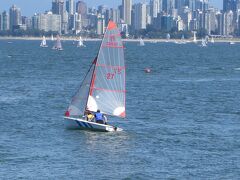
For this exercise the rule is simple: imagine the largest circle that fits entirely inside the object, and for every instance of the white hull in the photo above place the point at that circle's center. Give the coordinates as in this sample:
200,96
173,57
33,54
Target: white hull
75,123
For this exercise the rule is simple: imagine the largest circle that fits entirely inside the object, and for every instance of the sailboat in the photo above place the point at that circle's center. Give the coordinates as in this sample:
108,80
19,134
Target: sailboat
194,37
44,42
58,44
212,40
204,43
141,42
80,42
103,87
168,37
231,42
52,38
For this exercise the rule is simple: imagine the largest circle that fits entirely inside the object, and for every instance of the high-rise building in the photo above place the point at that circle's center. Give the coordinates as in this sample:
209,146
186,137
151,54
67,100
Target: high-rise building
228,26
58,7
5,21
230,5
191,4
127,11
100,25
70,6
81,8
47,22
15,17
140,16
154,8
168,5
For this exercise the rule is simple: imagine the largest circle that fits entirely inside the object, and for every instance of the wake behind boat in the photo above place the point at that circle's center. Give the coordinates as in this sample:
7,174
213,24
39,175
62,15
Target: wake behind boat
103,86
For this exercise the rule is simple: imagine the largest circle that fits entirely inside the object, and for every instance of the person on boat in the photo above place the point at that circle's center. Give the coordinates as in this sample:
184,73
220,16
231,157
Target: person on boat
99,117
90,116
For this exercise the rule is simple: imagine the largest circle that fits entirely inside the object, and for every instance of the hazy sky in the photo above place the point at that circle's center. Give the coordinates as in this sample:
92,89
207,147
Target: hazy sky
29,7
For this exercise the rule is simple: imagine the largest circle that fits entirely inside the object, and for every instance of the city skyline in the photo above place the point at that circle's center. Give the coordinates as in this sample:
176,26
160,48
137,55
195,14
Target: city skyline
38,7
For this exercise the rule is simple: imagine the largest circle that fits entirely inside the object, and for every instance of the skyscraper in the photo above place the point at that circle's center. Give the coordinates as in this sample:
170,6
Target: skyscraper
154,8
191,4
5,21
229,5
81,8
127,10
70,6
140,14
168,5
15,17
58,7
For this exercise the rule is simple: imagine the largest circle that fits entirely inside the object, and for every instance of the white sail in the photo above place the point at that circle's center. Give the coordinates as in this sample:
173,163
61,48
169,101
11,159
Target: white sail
141,42
80,42
58,44
212,40
204,42
194,37
104,85
52,38
168,37
44,42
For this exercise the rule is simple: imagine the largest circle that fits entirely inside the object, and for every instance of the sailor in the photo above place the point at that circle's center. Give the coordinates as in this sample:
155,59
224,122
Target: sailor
99,117
90,116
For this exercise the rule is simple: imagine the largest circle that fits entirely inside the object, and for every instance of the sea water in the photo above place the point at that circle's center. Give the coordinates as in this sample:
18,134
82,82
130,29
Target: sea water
183,118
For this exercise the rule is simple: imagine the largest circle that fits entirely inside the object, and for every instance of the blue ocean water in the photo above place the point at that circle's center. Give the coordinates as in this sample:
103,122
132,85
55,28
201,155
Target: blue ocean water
183,119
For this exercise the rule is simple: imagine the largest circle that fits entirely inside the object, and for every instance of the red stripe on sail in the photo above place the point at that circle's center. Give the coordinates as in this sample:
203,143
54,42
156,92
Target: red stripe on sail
108,66
112,35
112,46
109,90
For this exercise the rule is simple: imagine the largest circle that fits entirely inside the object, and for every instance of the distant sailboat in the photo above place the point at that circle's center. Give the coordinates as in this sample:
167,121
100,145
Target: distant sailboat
141,42
44,42
58,44
183,40
103,87
212,40
194,37
168,37
52,38
80,42
231,42
204,43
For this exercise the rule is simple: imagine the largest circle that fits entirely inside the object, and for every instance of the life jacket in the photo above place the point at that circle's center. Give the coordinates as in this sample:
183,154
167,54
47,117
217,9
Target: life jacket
99,116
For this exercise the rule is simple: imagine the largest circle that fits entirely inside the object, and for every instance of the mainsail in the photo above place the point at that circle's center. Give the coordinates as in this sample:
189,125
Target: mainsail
44,42
58,44
104,85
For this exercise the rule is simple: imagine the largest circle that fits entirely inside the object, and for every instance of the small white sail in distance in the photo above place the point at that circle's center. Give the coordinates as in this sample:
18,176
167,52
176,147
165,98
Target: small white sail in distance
44,42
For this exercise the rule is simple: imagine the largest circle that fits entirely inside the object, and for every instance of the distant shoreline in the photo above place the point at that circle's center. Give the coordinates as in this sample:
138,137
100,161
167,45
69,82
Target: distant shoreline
126,40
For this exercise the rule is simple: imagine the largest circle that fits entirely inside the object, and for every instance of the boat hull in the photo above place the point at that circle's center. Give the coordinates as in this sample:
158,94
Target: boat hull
81,124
